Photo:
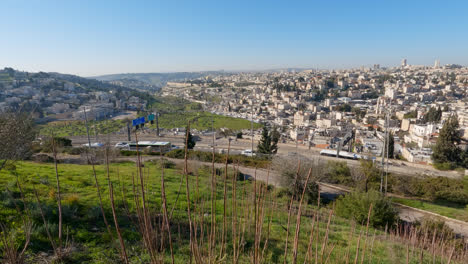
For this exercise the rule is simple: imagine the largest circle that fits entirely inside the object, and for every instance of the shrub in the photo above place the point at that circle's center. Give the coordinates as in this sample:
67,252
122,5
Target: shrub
444,166
296,187
73,151
430,188
453,196
72,200
128,153
338,172
356,205
176,154
44,158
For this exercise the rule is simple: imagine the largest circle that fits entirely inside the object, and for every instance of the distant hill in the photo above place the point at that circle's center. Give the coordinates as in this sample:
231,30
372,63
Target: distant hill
46,93
153,81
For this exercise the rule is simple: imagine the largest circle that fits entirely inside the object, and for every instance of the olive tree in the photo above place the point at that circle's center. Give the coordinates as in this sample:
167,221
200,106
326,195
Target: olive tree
17,134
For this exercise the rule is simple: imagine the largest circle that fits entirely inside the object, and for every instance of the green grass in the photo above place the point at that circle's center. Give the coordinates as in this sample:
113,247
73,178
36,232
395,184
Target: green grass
203,121
85,226
78,128
169,104
448,210
175,113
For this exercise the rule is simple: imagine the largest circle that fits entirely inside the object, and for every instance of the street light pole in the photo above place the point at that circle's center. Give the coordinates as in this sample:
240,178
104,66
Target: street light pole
87,128
251,129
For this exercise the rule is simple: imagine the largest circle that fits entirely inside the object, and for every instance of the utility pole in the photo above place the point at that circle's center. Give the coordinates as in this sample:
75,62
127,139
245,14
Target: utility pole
297,141
95,132
383,154
87,128
128,131
214,133
157,124
251,129
338,148
388,147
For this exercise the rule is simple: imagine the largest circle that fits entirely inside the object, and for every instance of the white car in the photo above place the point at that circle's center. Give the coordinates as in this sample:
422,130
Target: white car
121,145
248,153
94,145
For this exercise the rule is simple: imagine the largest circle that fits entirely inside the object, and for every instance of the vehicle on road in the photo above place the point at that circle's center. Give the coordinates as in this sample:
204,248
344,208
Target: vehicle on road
342,154
93,145
248,153
122,145
175,147
151,146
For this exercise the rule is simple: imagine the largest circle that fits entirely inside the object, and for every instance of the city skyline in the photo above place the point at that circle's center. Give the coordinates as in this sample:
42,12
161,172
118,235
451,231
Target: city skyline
121,37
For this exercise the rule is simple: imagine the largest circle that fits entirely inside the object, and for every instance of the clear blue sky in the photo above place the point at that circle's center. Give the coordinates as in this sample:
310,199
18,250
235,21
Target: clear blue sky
99,37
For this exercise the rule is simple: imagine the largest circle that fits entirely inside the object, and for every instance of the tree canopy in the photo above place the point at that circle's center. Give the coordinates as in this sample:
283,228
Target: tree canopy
269,142
17,134
190,140
433,115
446,149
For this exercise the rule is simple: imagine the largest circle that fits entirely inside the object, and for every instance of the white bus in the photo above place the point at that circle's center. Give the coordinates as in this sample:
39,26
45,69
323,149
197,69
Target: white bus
152,146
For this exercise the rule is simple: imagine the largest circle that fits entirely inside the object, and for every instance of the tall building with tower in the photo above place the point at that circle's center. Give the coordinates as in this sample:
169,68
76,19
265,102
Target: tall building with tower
437,64
403,63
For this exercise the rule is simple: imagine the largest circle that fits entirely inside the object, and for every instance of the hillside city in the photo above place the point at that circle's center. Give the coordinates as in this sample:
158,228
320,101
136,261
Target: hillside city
319,107
314,108
216,132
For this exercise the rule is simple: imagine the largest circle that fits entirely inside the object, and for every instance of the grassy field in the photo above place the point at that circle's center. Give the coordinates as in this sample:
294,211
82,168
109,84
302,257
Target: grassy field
203,121
175,113
199,120
256,213
449,210
78,128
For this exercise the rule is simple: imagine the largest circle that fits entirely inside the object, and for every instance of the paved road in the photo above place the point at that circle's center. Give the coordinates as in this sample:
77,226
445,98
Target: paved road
205,144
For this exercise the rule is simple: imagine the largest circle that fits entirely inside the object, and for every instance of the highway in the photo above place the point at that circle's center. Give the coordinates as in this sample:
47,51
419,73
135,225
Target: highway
284,149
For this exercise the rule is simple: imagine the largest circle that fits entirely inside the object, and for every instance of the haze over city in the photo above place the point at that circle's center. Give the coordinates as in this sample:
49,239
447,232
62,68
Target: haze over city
90,38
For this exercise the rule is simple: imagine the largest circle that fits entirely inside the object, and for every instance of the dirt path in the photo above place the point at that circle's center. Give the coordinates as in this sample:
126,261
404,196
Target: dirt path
410,214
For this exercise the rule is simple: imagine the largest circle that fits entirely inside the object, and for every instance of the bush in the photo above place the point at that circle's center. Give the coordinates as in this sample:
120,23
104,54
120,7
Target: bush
44,158
338,172
176,154
73,151
356,205
444,166
289,167
128,153
452,196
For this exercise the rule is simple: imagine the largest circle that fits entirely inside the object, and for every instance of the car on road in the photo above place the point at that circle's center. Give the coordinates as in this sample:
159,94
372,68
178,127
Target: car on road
248,153
175,147
121,145
94,145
